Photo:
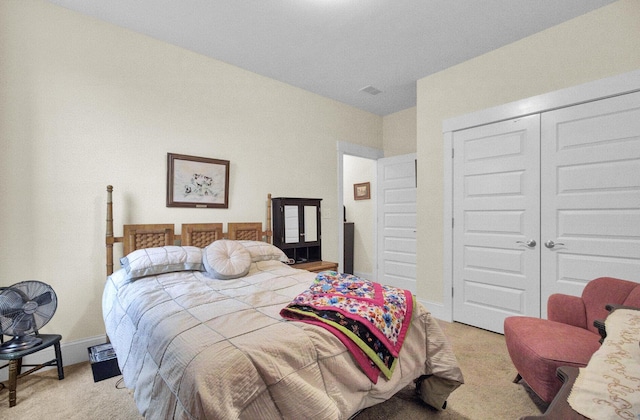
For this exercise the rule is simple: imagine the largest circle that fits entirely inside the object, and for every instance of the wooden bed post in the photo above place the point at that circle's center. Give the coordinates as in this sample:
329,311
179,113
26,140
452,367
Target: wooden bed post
109,238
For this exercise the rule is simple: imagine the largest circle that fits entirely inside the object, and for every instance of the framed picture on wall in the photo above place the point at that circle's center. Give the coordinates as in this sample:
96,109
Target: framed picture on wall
362,191
197,182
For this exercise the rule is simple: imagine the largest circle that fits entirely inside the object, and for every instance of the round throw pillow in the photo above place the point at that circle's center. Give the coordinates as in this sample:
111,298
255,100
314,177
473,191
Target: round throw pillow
225,259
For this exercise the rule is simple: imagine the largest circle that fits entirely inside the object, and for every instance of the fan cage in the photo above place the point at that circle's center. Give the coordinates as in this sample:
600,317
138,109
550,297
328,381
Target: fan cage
25,307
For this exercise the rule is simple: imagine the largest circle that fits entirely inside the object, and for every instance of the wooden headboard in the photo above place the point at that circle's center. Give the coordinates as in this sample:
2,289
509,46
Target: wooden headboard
201,234
192,234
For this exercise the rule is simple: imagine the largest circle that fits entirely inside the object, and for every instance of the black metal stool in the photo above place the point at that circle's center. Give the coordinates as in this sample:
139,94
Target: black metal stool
15,362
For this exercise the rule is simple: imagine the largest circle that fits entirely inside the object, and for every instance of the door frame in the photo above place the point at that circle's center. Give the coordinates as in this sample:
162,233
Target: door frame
587,92
345,148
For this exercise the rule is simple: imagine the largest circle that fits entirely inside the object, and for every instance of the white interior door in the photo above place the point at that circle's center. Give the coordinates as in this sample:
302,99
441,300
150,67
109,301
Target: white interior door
496,226
590,201
396,202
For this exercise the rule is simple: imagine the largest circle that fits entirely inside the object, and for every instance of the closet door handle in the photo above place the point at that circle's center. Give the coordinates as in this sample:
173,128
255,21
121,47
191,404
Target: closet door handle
550,244
531,243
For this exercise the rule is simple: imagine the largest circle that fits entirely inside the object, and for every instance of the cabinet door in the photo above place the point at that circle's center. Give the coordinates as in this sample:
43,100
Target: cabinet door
291,224
311,221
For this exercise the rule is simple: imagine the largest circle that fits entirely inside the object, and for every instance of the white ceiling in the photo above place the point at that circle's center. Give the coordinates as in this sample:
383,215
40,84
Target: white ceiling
337,47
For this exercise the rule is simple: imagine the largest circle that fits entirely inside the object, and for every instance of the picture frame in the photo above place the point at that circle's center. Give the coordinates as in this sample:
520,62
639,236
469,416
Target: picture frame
362,191
197,182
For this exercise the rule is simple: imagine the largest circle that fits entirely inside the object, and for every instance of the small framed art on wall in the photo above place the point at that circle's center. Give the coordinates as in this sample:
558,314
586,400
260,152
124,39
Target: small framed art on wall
362,191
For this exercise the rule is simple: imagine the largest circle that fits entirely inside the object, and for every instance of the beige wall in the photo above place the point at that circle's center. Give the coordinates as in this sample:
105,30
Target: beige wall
84,104
399,132
597,45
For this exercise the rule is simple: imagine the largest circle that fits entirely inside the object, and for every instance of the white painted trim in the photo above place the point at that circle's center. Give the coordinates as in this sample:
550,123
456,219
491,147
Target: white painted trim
437,310
590,91
587,92
360,151
72,352
447,242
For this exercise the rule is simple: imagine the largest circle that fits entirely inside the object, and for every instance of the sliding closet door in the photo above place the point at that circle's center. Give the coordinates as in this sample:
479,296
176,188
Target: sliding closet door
590,203
496,226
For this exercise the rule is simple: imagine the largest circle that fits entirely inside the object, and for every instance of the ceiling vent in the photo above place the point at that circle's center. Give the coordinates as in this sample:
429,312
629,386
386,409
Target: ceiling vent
370,90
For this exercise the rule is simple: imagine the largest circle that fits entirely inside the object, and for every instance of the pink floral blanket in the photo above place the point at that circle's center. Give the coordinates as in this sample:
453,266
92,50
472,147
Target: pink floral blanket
369,318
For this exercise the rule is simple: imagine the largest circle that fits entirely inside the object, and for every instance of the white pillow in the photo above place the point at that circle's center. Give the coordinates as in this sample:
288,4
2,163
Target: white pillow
166,259
263,251
225,259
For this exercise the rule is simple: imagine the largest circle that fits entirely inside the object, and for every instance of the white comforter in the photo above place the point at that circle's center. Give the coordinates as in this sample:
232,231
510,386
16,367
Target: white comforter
197,348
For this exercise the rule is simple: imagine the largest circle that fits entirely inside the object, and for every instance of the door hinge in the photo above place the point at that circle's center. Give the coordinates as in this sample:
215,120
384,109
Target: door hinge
452,222
452,292
453,153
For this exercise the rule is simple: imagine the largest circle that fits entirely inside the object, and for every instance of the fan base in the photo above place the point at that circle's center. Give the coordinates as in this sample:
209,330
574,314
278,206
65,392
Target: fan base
20,342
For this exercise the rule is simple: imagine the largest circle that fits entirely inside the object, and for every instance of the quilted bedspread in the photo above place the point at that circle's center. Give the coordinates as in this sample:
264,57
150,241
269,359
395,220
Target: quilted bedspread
193,347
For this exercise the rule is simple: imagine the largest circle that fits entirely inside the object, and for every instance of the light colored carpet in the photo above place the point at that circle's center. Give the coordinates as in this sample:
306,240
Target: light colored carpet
488,392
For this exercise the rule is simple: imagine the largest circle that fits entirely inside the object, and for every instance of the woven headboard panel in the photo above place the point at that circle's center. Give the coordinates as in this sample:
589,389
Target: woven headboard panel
147,236
200,234
245,231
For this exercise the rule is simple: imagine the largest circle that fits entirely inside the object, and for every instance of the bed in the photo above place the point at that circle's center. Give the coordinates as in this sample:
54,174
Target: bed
197,345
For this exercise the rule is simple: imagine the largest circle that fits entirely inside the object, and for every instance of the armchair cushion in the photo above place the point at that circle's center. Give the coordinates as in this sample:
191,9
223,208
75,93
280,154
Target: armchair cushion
567,309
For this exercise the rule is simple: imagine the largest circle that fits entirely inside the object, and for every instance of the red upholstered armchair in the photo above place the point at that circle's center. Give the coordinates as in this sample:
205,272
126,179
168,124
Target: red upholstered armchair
568,337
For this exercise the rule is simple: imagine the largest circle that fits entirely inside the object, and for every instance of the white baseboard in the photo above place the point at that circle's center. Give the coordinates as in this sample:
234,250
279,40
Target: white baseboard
72,352
438,310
